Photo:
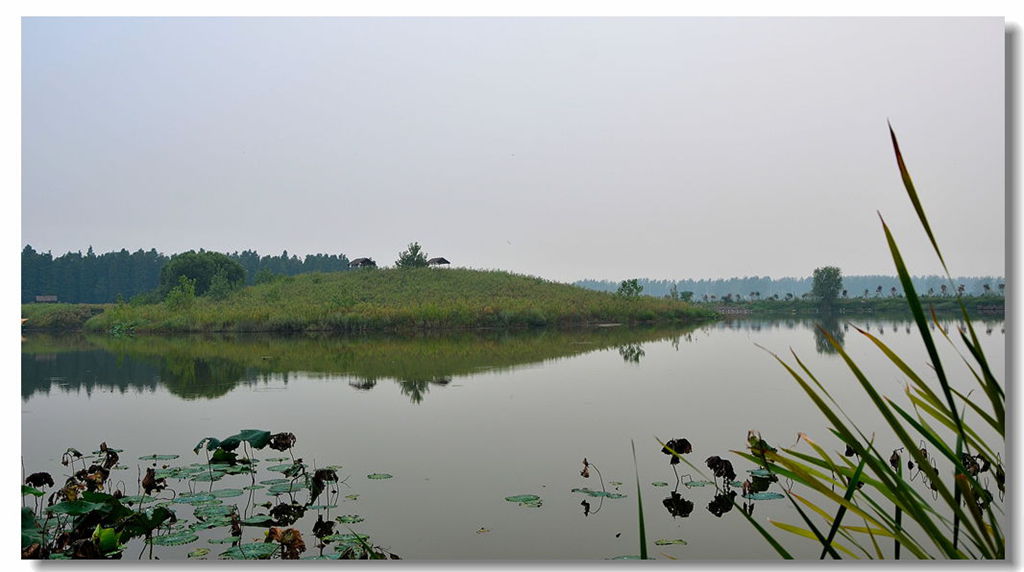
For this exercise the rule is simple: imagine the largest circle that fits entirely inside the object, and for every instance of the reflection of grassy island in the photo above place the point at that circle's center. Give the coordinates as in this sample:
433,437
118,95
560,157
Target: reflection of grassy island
204,366
390,300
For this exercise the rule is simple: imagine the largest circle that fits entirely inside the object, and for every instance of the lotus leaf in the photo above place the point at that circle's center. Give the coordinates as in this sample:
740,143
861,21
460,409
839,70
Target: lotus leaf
198,553
692,484
659,484
174,539
378,476
664,542
763,496
158,457
228,540
250,551
350,519
187,498
227,493
605,494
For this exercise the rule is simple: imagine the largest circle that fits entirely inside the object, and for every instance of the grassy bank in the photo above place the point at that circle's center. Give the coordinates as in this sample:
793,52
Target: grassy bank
385,300
978,306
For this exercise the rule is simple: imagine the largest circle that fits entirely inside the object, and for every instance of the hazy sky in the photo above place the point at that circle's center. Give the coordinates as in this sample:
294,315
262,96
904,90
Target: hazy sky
564,148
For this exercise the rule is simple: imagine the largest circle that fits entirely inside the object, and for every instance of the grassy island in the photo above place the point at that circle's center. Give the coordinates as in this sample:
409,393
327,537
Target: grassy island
375,300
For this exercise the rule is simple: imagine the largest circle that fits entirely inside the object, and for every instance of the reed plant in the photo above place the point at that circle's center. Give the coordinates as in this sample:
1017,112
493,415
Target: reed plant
949,437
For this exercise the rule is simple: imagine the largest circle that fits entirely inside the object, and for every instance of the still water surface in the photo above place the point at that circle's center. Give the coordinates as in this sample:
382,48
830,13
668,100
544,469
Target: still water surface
463,421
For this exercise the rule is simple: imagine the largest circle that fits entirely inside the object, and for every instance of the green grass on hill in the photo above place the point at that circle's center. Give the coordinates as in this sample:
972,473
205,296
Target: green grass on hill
396,300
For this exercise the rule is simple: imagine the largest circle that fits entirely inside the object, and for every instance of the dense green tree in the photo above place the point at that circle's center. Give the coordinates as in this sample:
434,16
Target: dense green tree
412,257
201,267
629,288
826,284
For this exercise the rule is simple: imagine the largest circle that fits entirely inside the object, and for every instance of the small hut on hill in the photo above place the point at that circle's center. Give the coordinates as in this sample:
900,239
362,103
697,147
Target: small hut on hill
362,263
437,261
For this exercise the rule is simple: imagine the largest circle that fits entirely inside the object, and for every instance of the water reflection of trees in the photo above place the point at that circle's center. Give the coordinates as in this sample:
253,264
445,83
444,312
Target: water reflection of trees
210,366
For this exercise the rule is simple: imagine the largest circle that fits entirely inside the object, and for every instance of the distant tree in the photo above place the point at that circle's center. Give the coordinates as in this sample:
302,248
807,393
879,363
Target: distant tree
200,267
629,288
826,284
412,257
686,295
944,289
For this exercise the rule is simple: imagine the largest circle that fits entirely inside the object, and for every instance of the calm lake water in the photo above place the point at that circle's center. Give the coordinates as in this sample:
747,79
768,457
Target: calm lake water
461,422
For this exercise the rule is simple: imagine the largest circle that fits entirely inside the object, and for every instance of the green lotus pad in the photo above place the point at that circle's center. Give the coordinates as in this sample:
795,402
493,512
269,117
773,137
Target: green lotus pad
378,476
227,493
605,494
186,498
228,540
213,522
532,501
659,484
346,538
198,553
208,476
698,483
764,473
213,510
158,457
322,506
281,468
664,542
288,487
764,496
174,539
615,483
137,499
250,551
257,520
275,481
350,519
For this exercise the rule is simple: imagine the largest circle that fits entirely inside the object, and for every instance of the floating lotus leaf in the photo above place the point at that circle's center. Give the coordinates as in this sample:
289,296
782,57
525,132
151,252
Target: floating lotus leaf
108,449
532,501
158,457
333,467
174,539
250,551
346,538
736,484
227,493
378,476
350,519
208,476
277,459
664,542
334,556
228,540
764,496
287,487
765,473
605,494
352,497
697,483
213,522
483,530
188,498
253,487
275,481
137,499
659,484
322,506
283,467
257,520
198,553
213,510
615,483
236,469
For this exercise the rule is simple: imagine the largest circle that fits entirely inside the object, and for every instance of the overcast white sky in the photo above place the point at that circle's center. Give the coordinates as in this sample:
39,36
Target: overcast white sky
564,148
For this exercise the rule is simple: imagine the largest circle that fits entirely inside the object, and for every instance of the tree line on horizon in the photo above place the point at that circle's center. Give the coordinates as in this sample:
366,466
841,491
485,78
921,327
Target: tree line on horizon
765,287
103,278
